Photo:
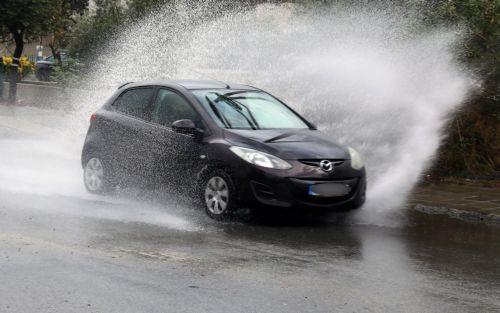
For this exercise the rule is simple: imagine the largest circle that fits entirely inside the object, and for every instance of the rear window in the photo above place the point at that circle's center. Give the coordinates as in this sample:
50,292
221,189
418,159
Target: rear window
135,102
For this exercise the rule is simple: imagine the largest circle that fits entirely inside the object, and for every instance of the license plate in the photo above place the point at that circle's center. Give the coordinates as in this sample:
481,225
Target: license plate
329,190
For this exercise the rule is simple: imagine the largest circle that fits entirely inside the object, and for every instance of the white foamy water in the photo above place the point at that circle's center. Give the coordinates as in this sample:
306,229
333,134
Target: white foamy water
372,78
40,171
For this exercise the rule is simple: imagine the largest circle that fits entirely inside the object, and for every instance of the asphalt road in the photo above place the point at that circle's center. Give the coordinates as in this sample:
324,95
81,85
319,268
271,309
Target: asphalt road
62,250
67,254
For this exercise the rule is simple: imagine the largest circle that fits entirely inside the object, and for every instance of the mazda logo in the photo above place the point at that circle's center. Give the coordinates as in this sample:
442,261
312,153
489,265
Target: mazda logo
326,166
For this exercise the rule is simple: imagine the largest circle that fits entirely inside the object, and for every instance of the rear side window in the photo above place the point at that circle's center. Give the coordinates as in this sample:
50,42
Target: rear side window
135,102
170,107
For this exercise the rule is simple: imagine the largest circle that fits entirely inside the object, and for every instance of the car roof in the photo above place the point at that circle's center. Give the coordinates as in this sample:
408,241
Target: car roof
191,84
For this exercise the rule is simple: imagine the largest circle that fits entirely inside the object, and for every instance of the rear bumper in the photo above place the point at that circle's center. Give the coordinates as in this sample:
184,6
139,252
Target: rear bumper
289,192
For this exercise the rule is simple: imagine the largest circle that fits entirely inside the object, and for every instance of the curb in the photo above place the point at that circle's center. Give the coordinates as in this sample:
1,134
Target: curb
467,216
39,83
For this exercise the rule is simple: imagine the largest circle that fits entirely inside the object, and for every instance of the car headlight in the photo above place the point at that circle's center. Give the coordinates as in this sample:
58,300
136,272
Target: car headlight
260,158
356,162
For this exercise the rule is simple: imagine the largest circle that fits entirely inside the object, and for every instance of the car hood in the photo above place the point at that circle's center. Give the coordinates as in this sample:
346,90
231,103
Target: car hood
290,144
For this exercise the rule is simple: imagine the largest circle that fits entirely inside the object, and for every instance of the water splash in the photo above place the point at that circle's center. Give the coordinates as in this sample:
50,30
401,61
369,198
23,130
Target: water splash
373,78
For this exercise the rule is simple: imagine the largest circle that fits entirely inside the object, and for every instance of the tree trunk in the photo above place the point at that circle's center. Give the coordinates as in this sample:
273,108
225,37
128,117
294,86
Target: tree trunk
57,56
18,36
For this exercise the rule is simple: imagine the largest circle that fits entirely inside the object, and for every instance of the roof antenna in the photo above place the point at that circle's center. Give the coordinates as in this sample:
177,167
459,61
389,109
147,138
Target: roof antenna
205,75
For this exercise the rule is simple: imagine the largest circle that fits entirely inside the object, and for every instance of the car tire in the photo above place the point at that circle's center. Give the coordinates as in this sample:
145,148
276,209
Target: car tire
43,75
219,194
97,177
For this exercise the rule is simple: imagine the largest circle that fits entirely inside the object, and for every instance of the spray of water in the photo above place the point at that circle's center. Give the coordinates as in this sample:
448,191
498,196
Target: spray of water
374,79
40,171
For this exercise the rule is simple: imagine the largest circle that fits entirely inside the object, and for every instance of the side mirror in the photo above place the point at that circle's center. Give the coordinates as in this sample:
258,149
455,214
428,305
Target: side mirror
185,127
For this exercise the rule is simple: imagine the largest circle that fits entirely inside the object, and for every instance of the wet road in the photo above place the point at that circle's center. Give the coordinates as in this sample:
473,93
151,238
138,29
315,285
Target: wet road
62,250
65,254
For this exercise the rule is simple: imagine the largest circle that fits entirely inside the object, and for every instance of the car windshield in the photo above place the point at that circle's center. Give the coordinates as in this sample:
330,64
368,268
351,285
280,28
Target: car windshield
50,58
248,109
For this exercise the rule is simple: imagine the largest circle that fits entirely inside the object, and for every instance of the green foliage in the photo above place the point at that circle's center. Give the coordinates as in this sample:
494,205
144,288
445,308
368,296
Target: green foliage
25,20
68,73
473,143
93,30
482,20
20,20
139,8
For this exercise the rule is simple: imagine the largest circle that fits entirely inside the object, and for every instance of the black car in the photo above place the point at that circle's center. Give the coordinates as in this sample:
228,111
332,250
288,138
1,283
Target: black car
45,67
233,144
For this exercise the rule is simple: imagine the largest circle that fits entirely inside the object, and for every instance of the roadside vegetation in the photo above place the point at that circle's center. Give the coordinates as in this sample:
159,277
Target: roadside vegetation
471,148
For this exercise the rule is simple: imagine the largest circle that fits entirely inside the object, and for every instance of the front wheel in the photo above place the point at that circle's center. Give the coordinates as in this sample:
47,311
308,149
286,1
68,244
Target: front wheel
219,195
95,176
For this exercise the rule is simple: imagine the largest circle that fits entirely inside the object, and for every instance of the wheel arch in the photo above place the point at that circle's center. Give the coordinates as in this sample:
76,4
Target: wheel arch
216,165
87,151
210,167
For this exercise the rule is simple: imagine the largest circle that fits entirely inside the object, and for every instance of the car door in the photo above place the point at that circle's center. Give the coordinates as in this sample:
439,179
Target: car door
131,123
175,156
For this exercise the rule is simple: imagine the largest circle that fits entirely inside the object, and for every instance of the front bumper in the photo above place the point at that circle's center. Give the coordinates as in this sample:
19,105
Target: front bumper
291,189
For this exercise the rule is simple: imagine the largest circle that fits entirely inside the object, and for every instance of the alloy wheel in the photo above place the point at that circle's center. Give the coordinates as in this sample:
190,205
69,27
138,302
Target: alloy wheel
94,175
216,195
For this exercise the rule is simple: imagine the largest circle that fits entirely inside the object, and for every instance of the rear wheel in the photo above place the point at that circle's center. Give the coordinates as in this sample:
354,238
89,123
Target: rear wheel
219,195
95,176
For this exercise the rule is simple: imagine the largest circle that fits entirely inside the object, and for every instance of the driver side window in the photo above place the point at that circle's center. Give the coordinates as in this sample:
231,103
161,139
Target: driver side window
170,107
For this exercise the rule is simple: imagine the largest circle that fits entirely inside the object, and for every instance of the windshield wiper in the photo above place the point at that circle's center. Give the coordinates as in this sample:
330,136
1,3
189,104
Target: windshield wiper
255,98
236,92
237,105
217,113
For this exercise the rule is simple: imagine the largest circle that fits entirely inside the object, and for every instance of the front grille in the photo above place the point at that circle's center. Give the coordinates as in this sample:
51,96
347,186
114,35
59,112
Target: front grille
315,162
